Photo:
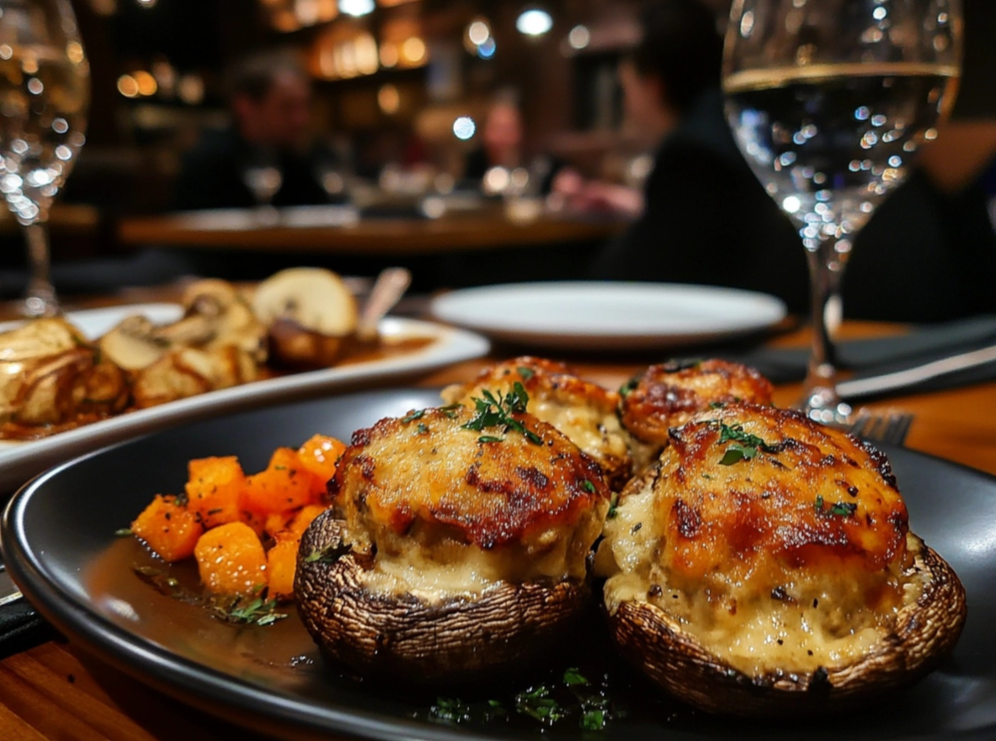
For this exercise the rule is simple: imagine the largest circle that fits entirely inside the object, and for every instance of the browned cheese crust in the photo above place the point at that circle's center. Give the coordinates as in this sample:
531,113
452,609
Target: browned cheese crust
448,550
772,569
668,395
584,411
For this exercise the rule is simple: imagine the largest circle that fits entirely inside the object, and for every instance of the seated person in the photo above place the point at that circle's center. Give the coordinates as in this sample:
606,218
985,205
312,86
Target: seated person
707,219
501,137
269,97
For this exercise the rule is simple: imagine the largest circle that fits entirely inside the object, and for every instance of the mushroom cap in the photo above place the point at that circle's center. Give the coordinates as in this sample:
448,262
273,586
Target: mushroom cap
417,639
925,631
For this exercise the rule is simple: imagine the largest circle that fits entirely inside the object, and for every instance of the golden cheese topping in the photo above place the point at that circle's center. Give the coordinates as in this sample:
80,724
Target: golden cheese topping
584,411
526,501
668,395
771,536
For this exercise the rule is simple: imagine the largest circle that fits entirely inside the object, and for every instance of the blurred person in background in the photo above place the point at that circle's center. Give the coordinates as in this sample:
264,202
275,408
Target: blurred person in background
703,217
269,144
502,146
928,254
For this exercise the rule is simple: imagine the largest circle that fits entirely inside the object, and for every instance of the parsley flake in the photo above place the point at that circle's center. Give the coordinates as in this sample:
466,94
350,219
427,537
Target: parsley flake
840,509
123,532
497,411
525,372
256,611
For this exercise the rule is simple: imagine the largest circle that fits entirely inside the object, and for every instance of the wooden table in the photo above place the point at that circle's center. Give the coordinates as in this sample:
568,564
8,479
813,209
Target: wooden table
484,228
49,693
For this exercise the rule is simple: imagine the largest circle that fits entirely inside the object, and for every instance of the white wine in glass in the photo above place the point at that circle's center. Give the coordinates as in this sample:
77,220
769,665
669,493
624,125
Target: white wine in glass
829,100
44,95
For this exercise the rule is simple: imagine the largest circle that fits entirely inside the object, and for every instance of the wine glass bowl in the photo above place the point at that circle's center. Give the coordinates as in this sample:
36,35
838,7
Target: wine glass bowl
44,96
829,102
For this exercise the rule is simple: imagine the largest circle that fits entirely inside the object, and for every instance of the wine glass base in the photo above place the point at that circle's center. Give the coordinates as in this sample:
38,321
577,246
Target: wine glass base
825,406
36,307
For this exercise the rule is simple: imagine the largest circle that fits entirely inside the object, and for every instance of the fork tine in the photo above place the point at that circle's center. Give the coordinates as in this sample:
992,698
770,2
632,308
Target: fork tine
887,427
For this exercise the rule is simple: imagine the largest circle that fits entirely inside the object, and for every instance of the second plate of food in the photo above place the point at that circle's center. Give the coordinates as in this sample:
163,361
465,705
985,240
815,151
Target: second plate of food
59,540
609,315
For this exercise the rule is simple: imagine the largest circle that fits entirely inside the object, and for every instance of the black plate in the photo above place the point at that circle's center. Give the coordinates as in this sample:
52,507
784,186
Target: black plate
59,541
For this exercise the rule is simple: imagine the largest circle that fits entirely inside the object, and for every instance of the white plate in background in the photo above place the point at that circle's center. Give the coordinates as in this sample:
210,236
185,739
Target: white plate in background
19,461
606,315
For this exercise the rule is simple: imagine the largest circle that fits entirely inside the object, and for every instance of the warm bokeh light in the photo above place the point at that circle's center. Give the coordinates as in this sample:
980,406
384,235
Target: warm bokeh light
128,86
147,84
388,54
478,32
389,99
413,51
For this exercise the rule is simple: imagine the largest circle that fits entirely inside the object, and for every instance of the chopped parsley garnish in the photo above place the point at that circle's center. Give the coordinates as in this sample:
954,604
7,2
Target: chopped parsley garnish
123,532
628,387
525,372
676,365
574,678
328,555
422,428
497,411
840,509
412,416
450,710
589,487
450,410
490,439
537,703
256,611
745,446
613,505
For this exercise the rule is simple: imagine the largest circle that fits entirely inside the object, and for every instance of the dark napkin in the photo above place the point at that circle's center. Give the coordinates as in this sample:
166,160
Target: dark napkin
871,357
21,627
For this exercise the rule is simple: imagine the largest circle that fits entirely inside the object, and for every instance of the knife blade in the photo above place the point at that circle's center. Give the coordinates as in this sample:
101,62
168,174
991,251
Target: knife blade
857,387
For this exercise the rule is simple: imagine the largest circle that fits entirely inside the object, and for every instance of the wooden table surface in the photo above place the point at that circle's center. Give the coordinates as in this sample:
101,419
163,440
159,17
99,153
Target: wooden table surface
483,228
55,692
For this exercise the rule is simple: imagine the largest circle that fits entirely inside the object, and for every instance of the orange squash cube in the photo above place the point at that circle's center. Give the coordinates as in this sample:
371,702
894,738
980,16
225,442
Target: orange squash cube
281,563
319,455
213,489
284,485
168,528
231,560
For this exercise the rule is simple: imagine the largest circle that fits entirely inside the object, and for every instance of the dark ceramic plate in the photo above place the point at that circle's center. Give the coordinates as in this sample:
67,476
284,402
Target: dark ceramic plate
60,545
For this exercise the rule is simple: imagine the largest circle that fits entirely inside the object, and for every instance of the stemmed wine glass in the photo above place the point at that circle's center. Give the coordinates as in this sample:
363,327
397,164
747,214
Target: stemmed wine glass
44,94
261,174
829,101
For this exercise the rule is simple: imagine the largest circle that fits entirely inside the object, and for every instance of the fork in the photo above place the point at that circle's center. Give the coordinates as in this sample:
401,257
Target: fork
890,428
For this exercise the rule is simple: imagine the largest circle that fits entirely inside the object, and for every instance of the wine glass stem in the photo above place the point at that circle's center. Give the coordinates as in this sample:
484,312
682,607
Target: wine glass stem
41,300
826,269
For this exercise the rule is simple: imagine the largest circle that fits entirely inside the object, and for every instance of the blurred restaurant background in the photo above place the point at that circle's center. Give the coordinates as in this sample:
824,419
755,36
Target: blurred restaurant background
401,93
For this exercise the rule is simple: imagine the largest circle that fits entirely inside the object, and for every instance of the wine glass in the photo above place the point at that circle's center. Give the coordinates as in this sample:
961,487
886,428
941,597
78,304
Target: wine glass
262,175
829,101
44,94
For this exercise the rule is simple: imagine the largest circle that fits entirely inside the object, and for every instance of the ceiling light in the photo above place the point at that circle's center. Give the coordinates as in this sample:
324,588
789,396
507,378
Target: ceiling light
356,7
534,22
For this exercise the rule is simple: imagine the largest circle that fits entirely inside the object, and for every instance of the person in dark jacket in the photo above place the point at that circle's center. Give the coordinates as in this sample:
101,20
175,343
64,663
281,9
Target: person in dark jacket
927,254
269,97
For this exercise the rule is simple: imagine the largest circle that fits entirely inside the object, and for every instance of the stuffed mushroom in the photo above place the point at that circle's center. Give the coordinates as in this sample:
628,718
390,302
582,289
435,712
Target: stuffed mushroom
456,543
669,394
765,565
584,411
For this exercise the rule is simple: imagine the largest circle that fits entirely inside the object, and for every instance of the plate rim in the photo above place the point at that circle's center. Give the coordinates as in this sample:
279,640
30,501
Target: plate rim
568,337
226,695
19,461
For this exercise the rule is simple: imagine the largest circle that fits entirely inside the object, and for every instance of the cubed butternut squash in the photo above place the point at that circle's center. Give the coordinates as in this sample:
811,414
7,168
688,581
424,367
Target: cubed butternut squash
284,485
213,489
231,560
168,528
281,563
